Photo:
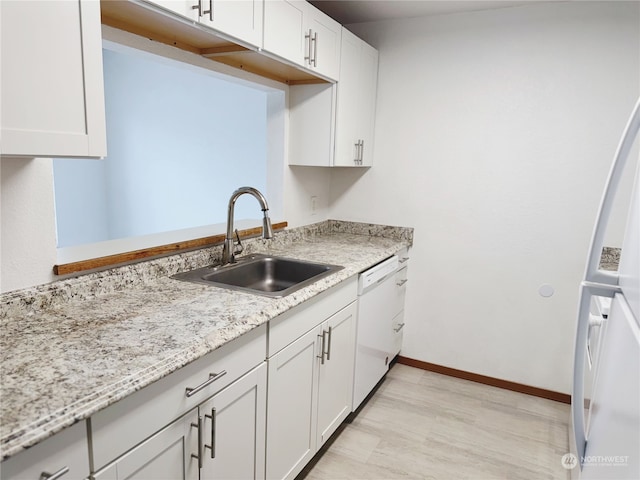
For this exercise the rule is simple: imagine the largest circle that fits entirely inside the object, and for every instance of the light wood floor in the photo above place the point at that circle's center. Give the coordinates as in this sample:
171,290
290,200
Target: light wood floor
423,425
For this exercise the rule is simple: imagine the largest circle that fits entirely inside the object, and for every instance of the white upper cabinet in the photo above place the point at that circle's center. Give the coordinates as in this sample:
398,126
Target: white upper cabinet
297,31
241,19
52,96
332,125
284,29
356,102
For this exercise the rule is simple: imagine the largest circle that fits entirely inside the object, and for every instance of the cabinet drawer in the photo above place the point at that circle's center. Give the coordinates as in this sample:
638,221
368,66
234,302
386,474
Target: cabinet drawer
400,290
67,449
398,332
310,314
123,425
167,454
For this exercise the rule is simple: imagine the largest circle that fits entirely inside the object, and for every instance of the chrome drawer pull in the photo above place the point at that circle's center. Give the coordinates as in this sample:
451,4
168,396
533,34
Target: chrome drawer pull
402,282
329,344
212,378
54,476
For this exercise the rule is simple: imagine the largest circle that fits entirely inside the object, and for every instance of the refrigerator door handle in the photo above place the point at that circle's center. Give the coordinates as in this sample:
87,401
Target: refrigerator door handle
593,273
587,290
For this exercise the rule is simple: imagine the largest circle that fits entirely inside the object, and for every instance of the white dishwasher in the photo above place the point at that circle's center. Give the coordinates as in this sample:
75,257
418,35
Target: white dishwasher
379,304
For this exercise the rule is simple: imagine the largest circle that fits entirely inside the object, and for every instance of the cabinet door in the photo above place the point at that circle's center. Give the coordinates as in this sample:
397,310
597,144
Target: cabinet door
367,108
169,454
186,8
234,429
291,406
284,29
348,102
311,124
356,109
325,43
335,379
52,100
368,87
241,19
68,450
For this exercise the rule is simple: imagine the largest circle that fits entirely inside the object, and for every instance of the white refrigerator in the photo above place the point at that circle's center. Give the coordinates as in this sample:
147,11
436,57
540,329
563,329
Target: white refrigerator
605,403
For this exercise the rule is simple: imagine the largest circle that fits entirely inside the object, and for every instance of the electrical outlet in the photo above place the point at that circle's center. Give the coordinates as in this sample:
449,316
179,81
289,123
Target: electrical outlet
314,204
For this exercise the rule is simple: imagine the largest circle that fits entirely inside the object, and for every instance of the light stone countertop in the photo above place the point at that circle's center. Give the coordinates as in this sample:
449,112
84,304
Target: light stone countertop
74,347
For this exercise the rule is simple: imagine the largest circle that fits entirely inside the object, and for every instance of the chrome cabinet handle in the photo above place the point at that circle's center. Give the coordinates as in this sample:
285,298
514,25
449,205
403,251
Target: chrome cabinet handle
321,356
315,49
198,7
359,152
199,455
402,282
212,378
329,343
212,447
201,12
400,326
54,476
307,36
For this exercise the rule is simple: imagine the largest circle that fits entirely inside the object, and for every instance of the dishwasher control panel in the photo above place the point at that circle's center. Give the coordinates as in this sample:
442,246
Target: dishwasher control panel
377,273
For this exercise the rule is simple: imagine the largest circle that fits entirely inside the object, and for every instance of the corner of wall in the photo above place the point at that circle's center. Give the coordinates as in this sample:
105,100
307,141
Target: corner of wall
28,237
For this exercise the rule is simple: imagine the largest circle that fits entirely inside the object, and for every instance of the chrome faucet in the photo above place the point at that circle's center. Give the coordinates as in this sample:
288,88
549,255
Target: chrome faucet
228,253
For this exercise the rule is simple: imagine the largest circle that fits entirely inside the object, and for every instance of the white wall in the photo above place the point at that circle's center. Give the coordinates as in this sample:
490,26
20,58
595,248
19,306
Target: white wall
494,134
28,242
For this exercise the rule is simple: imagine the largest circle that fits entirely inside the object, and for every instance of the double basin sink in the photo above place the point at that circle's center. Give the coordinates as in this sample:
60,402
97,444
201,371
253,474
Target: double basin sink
261,274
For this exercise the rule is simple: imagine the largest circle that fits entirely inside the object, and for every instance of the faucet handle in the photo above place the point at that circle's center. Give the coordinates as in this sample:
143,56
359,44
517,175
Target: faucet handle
238,249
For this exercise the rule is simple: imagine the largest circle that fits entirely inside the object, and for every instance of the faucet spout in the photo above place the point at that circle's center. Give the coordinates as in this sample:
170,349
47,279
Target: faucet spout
228,255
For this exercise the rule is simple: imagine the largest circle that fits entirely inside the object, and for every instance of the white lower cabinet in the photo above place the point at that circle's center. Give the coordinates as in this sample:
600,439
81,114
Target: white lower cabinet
335,376
169,454
164,430
228,415
310,390
66,455
291,407
233,435
223,438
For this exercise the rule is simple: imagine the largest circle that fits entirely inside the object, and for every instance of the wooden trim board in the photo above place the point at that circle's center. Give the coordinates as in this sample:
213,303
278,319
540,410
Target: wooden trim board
170,249
494,382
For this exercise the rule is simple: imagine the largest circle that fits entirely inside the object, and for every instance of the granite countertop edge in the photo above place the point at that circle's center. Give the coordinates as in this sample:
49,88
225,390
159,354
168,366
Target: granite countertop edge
36,306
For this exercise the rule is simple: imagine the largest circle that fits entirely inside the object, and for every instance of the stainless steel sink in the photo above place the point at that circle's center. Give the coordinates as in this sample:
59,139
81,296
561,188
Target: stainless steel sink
262,275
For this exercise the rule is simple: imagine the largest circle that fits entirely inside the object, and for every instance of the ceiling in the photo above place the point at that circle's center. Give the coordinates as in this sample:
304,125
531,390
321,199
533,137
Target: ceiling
359,11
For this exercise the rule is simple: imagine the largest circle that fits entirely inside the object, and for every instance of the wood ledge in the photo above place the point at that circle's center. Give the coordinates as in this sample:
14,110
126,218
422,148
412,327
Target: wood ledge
146,253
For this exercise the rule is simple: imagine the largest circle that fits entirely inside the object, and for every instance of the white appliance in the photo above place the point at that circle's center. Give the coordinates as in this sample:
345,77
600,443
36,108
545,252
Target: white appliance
605,403
378,305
